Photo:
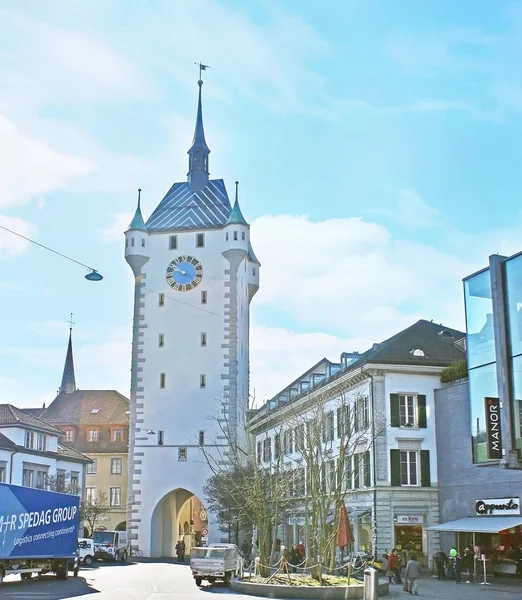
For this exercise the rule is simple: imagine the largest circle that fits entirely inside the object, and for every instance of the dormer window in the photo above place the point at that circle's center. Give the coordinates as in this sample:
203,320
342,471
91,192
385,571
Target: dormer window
69,435
95,411
417,352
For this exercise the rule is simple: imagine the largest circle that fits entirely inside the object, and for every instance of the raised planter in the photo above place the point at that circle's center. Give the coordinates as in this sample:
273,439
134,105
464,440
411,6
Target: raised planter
268,590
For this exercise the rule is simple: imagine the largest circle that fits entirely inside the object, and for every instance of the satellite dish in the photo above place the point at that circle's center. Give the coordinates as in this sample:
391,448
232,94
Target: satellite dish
94,276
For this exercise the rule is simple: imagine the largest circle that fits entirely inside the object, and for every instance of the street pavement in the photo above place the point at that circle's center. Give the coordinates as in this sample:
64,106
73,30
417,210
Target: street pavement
147,580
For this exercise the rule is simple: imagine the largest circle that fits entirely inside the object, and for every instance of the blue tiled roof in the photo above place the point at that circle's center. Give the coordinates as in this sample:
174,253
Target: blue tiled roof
184,208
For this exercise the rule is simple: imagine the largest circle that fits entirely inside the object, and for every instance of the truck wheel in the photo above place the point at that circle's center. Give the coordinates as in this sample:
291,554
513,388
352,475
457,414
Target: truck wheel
87,561
62,573
26,575
198,581
124,556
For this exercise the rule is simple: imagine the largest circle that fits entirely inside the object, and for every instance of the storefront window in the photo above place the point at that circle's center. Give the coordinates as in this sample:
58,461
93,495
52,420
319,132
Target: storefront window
482,384
479,320
516,364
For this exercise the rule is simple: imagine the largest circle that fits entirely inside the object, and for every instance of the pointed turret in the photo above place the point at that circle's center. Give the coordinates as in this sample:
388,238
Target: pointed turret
236,216
198,152
136,236
68,385
137,223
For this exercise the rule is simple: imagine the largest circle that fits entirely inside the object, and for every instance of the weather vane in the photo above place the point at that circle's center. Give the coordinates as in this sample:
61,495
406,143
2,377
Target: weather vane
201,68
71,322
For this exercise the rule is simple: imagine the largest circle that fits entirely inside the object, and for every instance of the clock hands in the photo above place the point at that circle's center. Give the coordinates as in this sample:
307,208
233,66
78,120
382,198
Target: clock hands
175,268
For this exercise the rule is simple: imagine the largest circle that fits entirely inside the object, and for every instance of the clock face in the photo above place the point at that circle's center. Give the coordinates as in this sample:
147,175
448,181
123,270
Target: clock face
184,273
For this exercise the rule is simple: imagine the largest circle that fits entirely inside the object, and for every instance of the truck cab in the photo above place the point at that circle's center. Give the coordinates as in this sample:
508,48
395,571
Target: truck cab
85,551
216,561
111,545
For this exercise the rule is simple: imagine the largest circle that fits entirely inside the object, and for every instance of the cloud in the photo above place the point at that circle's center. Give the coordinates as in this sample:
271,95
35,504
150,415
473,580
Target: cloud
120,223
11,245
411,211
351,277
278,356
48,63
8,285
20,155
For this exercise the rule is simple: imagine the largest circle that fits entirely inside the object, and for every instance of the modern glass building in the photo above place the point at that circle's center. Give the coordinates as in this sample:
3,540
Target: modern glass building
493,299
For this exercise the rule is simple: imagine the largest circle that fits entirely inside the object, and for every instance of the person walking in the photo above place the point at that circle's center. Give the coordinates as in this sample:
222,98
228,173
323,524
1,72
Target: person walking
440,563
451,562
412,575
457,564
394,566
294,557
468,564
180,550
302,554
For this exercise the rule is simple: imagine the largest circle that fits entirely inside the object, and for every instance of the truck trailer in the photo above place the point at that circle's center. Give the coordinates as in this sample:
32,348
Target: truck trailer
38,532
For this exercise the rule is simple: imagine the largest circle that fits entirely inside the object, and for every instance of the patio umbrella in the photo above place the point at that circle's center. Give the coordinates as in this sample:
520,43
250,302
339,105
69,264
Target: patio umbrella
344,529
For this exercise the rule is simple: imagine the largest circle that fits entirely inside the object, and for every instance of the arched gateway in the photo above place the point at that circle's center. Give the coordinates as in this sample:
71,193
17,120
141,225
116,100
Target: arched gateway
178,515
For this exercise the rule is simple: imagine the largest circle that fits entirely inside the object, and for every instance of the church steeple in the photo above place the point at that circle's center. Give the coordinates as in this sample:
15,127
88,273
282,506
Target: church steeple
199,151
68,381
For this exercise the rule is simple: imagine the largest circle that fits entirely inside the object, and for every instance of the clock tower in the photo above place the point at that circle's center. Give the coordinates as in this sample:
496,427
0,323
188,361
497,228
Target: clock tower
195,274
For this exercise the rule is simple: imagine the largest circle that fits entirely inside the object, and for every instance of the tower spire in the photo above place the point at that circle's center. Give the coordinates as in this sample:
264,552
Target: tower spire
137,222
199,151
236,216
68,385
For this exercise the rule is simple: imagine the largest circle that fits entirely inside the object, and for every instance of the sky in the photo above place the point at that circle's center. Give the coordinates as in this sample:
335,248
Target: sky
377,143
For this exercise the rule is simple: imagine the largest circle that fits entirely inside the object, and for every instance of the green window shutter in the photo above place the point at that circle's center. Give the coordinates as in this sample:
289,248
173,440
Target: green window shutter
340,431
367,479
356,461
395,420
348,423
425,468
421,410
349,473
395,465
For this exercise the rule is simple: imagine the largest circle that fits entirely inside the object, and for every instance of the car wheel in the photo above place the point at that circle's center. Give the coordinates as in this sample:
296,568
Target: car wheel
87,561
198,581
26,575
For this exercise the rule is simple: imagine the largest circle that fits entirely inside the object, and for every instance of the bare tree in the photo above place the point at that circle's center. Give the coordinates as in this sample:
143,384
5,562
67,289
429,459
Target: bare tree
92,508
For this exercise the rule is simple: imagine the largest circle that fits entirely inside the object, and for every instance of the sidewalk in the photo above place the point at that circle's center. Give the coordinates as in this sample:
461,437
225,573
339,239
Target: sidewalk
429,587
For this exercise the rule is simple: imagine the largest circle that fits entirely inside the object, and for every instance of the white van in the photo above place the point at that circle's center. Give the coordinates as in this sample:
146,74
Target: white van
85,551
111,545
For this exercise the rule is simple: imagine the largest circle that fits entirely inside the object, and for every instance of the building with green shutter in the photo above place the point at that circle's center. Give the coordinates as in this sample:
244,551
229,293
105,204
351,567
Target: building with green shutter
366,425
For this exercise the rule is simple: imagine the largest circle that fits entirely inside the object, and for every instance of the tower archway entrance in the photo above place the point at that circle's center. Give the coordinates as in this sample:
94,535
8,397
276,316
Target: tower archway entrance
179,515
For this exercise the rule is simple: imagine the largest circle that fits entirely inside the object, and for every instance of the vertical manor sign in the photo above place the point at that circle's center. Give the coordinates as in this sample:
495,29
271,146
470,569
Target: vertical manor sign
493,432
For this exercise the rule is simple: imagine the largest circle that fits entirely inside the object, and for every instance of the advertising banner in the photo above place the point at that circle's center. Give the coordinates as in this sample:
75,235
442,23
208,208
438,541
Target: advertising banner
498,506
37,523
493,431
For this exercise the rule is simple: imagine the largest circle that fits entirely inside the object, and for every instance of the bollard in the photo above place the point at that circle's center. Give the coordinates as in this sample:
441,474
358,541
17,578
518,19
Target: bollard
371,584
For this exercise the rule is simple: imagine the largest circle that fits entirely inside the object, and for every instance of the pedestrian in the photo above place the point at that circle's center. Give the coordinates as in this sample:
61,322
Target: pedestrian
517,557
440,563
302,554
413,570
468,564
457,568
245,551
451,562
294,557
180,550
394,566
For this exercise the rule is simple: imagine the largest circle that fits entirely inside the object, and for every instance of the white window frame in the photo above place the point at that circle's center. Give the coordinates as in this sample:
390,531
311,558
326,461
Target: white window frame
116,461
407,410
29,439
115,435
93,436
90,493
410,458
92,467
69,435
115,496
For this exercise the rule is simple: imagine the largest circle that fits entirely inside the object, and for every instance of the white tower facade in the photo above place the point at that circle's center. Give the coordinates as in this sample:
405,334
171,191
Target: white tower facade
195,275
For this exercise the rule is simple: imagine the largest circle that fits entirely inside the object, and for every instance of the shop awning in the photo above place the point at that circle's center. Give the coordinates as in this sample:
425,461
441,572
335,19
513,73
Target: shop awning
479,524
